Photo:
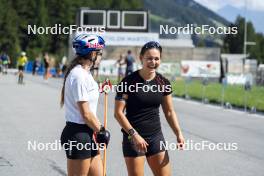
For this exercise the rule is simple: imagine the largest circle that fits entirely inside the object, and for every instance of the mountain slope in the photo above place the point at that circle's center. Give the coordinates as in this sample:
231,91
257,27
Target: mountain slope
180,13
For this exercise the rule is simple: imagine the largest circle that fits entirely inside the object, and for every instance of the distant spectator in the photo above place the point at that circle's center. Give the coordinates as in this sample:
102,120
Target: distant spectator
36,65
119,63
95,69
63,64
46,61
130,63
5,62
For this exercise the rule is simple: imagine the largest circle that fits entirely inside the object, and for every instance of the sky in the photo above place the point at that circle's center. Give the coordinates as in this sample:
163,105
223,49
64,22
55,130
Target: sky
255,5
255,10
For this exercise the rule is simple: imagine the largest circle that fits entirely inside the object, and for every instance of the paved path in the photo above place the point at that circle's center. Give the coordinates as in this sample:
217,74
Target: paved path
31,113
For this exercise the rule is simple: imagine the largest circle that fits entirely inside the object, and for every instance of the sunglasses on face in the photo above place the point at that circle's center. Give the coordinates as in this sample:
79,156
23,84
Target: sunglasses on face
99,53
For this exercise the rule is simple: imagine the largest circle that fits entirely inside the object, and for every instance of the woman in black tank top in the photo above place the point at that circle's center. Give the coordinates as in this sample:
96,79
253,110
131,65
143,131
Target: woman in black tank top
140,95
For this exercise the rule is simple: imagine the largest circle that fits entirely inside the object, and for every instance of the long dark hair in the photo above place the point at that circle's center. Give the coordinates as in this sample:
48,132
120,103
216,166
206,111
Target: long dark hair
77,60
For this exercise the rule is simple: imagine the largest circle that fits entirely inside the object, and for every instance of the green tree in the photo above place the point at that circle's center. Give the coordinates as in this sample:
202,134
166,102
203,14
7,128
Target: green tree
26,16
39,43
126,4
257,51
15,16
234,43
9,41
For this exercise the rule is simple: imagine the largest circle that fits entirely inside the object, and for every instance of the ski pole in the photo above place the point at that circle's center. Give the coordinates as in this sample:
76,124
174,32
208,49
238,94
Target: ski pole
106,87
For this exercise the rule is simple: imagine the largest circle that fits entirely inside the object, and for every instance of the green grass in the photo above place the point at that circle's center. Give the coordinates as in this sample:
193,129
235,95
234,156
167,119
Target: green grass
213,92
113,79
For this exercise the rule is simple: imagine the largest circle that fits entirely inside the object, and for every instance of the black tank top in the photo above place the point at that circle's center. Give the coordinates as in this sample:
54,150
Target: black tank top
142,104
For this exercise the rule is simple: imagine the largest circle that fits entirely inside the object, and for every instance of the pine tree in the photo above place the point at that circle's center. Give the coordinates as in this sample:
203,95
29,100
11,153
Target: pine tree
9,41
234,43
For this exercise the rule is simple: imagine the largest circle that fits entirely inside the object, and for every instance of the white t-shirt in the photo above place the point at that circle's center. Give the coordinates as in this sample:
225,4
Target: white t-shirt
79,86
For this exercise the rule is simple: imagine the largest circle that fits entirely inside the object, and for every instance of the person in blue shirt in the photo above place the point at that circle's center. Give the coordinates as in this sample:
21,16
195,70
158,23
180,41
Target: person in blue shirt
5,62
129,63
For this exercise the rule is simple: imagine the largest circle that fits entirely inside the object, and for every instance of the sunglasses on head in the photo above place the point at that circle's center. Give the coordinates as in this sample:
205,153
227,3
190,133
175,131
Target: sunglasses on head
152,44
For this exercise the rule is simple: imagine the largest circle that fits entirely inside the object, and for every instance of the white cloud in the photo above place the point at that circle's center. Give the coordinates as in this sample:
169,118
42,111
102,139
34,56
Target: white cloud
256,5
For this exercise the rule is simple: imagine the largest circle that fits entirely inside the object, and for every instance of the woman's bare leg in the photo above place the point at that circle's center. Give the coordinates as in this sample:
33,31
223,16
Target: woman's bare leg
78,167
135,165
159,164
96,166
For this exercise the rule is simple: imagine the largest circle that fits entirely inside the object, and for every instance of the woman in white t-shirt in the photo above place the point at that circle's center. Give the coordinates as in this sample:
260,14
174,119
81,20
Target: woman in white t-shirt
83,134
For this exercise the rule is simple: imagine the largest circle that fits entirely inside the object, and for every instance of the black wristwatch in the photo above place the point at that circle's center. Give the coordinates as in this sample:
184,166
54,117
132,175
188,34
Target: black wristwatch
132,132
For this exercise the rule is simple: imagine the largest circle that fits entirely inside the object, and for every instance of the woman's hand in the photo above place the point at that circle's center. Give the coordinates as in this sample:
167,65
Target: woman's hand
103,136
180,141
140,143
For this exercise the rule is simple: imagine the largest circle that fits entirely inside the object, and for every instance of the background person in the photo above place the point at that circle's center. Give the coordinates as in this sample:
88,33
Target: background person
5,62
63,64
36,65
21,62
141,126
129,60
46,60
119,64
96,66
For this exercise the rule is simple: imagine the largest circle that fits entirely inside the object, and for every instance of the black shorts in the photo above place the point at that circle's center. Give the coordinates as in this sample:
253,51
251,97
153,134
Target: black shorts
154,147
77,140
20,68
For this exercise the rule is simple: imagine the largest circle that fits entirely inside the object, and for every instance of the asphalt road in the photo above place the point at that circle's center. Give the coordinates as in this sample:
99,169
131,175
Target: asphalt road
30,113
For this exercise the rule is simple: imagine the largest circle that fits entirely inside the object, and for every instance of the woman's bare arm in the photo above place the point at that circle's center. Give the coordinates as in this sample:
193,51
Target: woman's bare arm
171,117
120,116
88,116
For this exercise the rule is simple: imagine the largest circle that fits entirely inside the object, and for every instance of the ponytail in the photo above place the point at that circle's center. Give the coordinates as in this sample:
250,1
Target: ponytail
73,63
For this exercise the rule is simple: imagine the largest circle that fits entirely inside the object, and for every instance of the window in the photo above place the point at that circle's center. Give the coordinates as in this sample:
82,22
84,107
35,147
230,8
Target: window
134,20
113,19
93,18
